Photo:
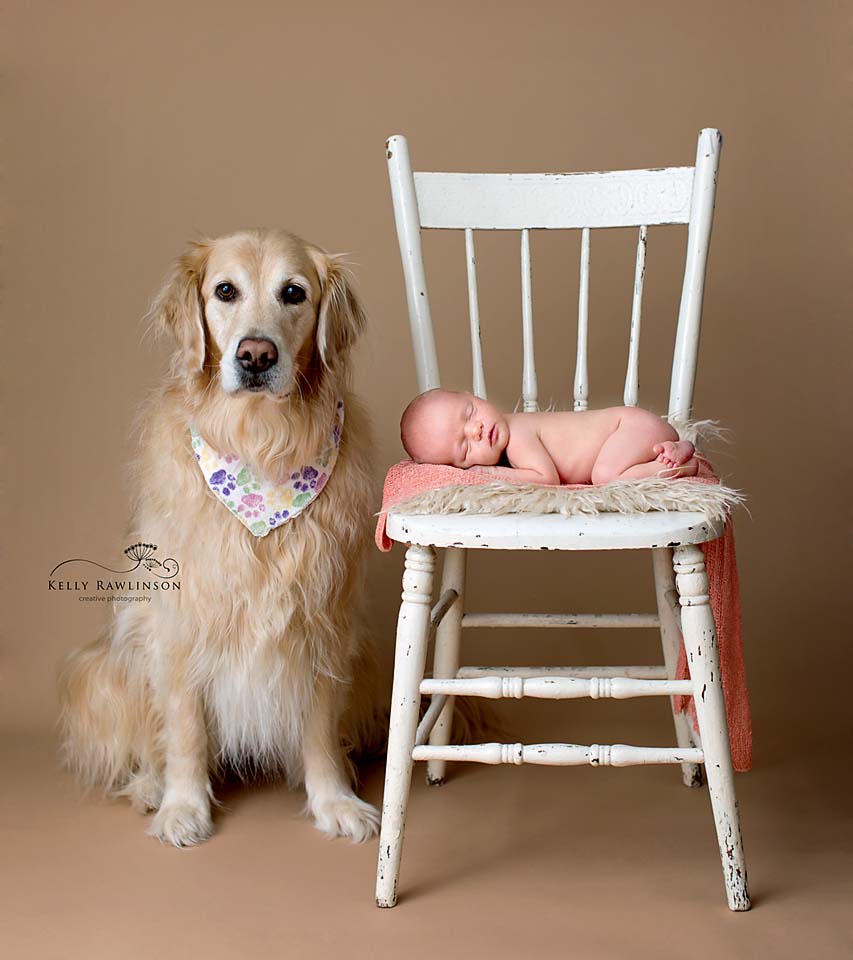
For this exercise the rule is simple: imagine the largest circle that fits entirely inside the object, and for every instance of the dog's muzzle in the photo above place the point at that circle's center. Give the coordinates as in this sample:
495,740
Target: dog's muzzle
256,366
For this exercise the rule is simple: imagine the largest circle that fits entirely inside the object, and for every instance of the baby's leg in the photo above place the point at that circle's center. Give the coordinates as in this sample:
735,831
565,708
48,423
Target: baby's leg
629,452
656,469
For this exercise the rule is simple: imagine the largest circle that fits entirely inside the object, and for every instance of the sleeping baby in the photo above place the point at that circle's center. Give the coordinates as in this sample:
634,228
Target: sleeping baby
592,446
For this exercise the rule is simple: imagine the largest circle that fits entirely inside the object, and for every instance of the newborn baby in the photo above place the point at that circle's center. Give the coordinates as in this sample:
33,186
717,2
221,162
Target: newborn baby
593,446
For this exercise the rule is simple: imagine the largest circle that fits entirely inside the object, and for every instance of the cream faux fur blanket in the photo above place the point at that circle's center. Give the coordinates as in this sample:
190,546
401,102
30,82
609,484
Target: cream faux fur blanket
430,488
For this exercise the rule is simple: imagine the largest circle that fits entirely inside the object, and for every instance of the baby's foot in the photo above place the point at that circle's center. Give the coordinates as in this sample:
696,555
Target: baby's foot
673,453
687,469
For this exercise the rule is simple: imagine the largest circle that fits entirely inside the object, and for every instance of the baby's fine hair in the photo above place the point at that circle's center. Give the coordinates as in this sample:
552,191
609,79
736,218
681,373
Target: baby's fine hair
411,415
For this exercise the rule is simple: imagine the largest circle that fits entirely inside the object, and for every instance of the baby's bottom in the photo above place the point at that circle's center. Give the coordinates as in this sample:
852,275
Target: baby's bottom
643,445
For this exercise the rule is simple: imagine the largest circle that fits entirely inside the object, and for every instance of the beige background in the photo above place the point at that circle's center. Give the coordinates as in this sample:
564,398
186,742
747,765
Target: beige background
131,128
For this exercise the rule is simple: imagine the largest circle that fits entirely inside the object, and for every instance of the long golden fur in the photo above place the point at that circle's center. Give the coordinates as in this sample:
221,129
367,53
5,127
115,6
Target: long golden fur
260,661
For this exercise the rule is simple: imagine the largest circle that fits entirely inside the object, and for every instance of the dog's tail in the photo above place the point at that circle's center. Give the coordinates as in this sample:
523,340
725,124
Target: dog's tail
107,725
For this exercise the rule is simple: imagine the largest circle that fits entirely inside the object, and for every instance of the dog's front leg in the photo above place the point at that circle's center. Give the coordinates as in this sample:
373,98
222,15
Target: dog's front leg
336,810
184,815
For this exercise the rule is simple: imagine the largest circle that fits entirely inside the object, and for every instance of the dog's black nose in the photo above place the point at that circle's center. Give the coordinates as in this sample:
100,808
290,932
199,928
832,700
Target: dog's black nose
257,355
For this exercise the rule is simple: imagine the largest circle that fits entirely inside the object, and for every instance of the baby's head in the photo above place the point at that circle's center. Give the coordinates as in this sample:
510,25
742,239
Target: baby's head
458,429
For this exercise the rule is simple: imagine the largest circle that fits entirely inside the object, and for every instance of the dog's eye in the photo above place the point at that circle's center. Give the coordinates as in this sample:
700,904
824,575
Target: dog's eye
292,293
225,291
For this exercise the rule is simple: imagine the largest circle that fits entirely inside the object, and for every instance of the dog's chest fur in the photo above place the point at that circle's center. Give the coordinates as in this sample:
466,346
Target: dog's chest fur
257,619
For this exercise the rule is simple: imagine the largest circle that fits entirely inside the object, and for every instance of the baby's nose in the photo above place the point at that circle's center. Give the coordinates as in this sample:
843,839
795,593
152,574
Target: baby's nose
475,429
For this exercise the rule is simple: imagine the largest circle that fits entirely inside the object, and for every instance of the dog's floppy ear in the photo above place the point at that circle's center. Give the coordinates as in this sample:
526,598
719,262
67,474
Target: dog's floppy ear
178,310
340,315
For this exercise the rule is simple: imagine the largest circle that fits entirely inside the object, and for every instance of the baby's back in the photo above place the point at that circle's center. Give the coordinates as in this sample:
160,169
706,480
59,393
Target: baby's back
572,439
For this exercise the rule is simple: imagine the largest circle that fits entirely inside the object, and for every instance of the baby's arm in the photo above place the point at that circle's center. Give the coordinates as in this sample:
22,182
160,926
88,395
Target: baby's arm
538,467
516,474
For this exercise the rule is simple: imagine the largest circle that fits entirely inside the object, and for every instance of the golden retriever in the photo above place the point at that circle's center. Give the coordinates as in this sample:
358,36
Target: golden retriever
260,661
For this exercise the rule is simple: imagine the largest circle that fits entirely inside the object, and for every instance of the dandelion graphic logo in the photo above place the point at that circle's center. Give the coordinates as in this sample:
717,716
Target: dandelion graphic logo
142,555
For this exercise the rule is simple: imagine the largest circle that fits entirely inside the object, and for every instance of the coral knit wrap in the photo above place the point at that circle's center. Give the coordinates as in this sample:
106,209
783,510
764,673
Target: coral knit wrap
408,479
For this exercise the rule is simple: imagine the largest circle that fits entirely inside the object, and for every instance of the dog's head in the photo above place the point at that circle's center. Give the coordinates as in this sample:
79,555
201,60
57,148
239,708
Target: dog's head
261,311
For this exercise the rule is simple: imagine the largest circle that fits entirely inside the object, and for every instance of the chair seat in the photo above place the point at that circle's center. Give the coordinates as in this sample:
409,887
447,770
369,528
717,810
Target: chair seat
533,531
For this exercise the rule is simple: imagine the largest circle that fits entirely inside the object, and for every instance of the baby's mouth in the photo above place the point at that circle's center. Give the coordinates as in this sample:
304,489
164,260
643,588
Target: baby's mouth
492,435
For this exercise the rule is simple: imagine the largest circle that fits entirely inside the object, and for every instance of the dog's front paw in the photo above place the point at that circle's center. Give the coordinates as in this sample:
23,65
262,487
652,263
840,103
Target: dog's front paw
183,824
345,815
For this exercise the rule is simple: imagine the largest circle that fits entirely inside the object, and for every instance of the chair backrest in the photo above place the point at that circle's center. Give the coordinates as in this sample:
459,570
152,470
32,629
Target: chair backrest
558,201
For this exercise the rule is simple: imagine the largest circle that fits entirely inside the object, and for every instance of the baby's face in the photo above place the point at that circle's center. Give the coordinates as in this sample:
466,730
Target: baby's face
461,430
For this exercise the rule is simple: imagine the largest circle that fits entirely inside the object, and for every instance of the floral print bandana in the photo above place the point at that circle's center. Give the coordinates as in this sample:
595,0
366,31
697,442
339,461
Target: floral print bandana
260,505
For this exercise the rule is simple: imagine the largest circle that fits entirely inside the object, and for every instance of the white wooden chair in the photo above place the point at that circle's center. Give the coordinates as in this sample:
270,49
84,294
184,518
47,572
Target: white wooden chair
639,198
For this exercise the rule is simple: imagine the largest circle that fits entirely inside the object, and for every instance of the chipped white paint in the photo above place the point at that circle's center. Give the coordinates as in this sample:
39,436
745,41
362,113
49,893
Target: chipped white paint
686,354
478,377
407,218
638,198
581,386
556,688
445,601
426,725
529,389
523,531
560,620
553,201
700,642
650,671
631,395
446,655
559,754
669,612
409,661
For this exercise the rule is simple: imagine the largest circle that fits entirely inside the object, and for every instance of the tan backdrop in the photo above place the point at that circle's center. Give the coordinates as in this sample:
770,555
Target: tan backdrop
131,128
131,132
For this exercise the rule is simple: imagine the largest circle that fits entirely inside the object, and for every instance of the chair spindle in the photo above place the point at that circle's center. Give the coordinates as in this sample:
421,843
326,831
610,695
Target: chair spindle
529,390
631,396
581,391
478,379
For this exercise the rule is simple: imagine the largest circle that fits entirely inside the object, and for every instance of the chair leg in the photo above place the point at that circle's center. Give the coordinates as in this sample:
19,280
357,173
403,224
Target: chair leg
700,639
446,657
409,661
670,634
